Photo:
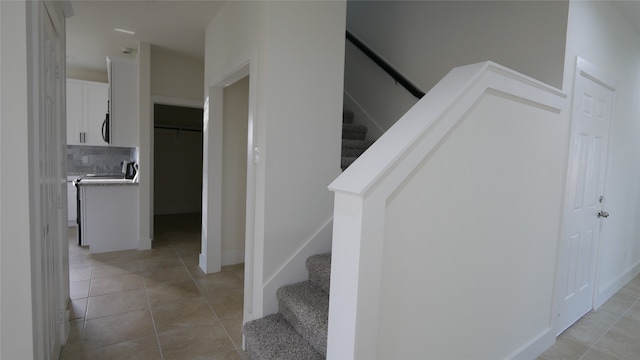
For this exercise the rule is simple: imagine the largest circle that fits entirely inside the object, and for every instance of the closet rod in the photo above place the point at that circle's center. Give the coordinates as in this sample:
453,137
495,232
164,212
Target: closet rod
175,128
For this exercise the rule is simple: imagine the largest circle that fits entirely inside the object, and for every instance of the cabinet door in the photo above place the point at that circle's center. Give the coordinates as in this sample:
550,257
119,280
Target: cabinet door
124,103
94,112
74,113
110,217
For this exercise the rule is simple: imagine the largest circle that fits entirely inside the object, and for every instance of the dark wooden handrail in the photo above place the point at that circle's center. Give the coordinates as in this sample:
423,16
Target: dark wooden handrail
399,78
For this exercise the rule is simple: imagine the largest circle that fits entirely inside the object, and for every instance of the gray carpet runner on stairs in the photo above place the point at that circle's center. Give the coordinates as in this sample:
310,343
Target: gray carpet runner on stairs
299,329
354,141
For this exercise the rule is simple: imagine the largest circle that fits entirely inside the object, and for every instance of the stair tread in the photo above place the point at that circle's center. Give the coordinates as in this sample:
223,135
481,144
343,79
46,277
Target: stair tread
354,127
348,152
354,132
356,144
272,337
346,161
319,267
306,307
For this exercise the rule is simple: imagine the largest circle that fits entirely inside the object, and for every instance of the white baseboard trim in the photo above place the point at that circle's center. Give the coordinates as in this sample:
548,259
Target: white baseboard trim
232,257
202,262
144,243
603,294
535,347
362,117
294,269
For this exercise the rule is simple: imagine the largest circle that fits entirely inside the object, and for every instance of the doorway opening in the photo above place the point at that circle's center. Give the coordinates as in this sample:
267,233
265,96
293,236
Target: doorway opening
234,172
177,160
177,169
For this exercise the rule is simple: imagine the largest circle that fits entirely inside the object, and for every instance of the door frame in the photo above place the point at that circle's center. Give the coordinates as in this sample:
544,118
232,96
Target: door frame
162,100
582,68
211,256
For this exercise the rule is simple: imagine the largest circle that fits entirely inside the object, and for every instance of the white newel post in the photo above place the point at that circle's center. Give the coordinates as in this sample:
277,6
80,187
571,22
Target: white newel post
358,234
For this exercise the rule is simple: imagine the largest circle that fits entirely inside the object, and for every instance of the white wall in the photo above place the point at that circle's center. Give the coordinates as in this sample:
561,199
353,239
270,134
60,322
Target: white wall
175,75
598,33
470,239
234,171
426,39
17,340
303,123
88,75
299,49
375,98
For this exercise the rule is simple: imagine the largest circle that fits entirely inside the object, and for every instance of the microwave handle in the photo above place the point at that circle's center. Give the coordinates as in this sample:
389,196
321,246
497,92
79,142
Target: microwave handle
105,129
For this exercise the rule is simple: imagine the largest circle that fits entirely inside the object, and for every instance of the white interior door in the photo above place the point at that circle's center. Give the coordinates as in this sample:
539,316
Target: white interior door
585,202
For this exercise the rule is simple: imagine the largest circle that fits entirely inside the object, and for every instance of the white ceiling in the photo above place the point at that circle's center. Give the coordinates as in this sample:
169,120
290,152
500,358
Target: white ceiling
176,25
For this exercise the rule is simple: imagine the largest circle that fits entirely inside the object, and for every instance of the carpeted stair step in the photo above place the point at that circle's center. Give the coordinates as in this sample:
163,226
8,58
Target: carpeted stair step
352,152
347,117
319,267
346,161
356,144
272,337
354,131
306,307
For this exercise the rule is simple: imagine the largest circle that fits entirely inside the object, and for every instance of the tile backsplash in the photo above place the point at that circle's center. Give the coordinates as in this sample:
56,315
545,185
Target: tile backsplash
97,159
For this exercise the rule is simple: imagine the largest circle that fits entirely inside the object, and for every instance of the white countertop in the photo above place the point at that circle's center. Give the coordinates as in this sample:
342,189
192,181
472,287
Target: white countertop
105,182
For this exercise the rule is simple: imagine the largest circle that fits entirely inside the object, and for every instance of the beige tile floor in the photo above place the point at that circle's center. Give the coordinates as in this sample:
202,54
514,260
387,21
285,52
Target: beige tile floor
154,304
610,333
158,304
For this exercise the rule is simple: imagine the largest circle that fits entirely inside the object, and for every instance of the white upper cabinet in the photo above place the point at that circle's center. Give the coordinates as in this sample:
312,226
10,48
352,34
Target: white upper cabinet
86,112
123,99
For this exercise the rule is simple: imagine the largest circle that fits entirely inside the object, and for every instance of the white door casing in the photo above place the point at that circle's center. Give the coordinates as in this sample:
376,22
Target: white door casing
592,107
47,186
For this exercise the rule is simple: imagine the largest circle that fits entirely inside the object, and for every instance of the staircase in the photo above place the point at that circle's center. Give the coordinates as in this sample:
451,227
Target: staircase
299,329
354,141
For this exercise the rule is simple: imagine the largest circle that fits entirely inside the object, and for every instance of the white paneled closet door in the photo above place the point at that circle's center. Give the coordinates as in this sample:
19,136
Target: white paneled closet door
585,202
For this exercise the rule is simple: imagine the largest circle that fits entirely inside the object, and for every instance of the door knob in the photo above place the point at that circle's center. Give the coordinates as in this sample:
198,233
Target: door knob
603,214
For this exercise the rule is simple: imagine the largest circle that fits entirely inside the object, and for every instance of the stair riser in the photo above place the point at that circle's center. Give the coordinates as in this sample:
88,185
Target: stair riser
352,135
305,306
315,338
319,268
273,338
356,144
347,117
346,152
345,162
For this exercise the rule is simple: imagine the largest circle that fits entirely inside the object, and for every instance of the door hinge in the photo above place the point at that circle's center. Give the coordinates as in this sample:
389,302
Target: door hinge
256,155
60,317
57,71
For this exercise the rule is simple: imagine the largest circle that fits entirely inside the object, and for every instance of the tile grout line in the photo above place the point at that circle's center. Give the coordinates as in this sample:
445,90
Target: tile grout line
153,321
139,263
609,329
86,308
239,351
